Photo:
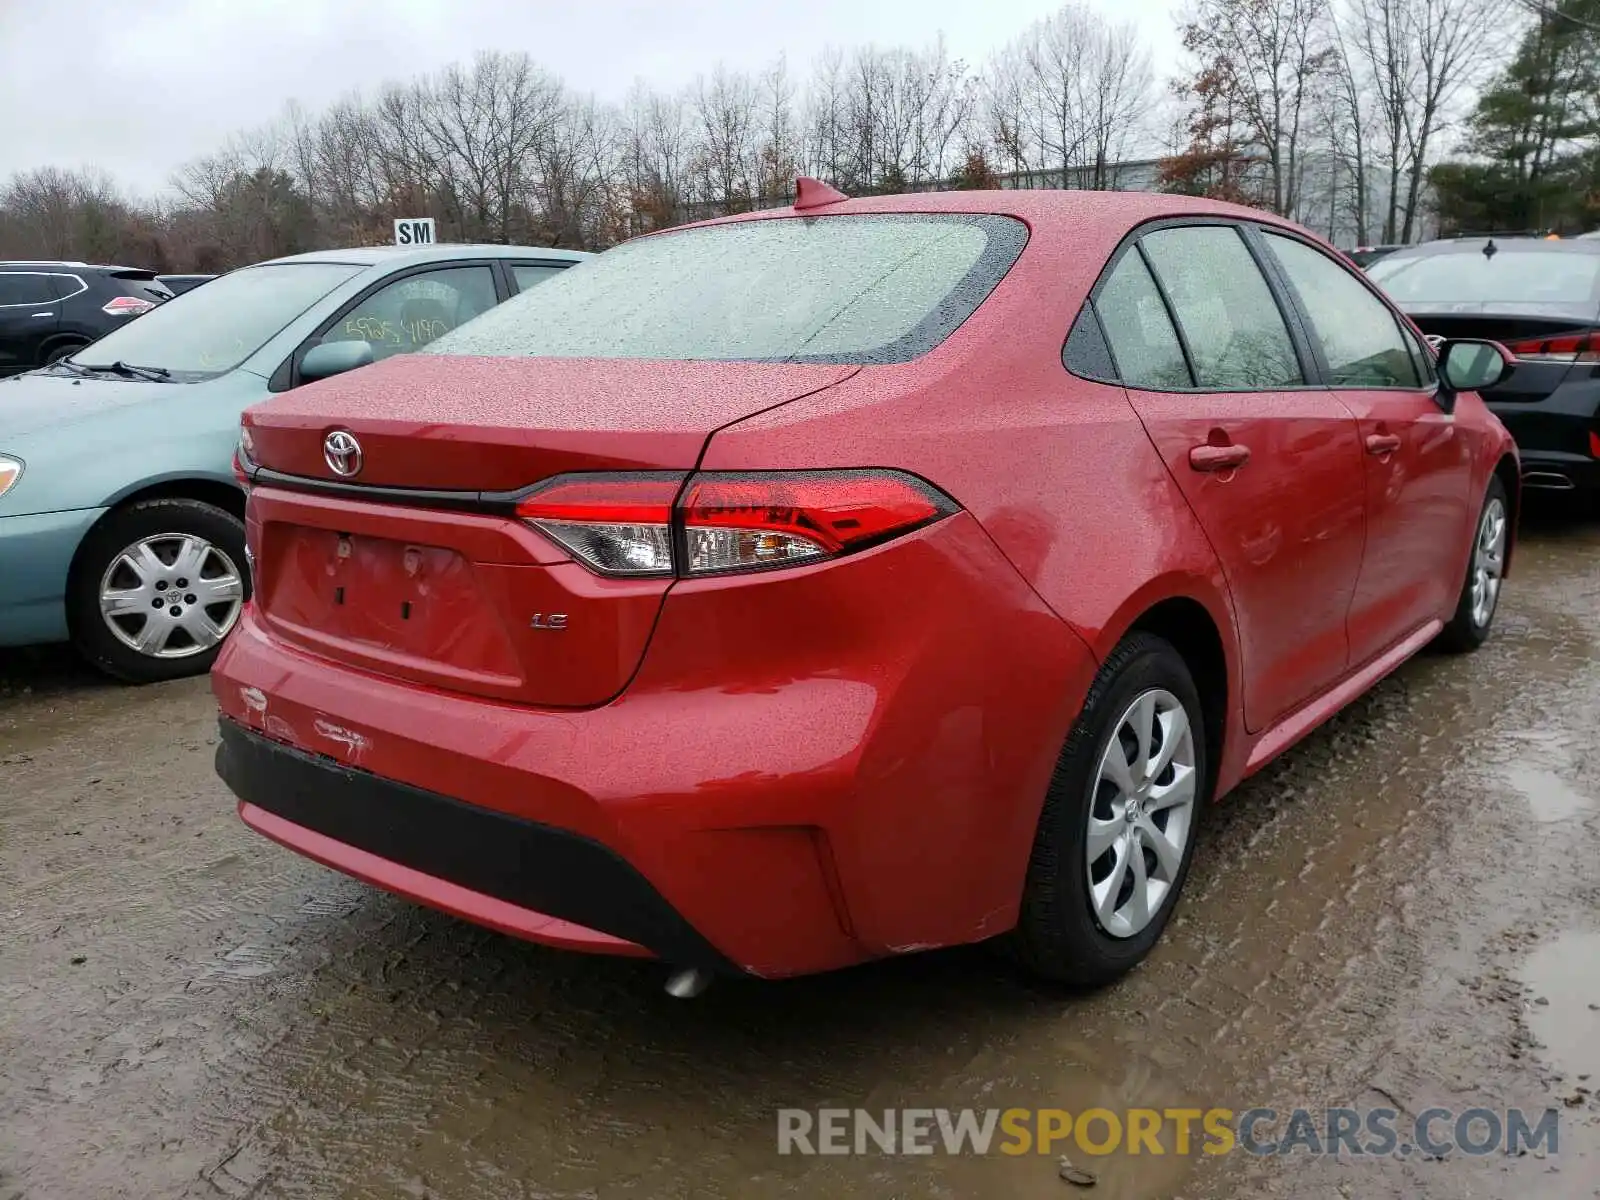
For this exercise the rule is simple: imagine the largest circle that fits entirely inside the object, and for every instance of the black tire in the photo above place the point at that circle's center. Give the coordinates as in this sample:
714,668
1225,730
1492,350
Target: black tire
58,352
126,527
1058,936
1465,632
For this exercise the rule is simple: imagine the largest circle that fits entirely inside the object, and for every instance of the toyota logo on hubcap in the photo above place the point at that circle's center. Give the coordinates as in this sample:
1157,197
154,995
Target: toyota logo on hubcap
342,453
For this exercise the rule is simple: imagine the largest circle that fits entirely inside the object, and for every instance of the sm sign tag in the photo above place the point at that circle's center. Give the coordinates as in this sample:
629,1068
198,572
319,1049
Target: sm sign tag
413,231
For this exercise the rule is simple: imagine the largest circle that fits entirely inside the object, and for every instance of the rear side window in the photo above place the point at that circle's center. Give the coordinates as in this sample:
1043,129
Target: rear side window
26,288
847,289
528,275
1361,340
1236,334
1139,330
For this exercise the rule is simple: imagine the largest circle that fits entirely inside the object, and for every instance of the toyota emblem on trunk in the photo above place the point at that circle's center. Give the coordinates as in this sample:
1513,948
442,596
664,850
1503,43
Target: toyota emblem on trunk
342,453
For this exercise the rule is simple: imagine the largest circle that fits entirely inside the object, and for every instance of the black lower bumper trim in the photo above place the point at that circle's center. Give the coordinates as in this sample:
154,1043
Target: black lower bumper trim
552,871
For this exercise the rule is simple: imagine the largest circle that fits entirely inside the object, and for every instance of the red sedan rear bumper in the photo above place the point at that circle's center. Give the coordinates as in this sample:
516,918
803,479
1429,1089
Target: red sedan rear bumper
430,889
867,787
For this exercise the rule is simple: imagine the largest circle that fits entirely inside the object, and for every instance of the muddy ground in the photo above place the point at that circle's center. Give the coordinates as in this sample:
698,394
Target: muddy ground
1404,912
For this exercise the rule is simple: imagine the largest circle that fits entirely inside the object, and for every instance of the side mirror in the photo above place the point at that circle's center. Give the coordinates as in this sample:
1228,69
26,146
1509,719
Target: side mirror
334,358
1470,365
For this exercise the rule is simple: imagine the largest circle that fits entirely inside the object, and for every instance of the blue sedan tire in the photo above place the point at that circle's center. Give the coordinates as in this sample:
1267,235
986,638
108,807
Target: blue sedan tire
156,587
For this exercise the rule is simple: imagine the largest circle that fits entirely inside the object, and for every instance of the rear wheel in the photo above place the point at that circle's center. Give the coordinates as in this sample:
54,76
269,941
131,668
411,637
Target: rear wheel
58,352
156,587
1480,593
1116,834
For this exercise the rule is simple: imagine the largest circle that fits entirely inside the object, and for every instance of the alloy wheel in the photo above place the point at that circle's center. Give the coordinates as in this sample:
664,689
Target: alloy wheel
1141,813
1488,562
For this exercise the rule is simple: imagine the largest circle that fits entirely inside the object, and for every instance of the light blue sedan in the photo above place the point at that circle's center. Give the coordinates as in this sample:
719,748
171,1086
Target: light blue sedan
121,525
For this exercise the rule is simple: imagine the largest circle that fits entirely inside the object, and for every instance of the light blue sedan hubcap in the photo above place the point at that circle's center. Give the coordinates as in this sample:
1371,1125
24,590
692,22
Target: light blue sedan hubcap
173,595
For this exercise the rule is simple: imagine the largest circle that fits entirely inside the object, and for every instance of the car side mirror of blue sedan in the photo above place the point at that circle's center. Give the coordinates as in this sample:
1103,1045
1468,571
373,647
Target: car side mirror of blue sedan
334,358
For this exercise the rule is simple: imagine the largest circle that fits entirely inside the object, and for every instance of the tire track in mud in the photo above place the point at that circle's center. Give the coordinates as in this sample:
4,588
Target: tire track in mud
1438,1009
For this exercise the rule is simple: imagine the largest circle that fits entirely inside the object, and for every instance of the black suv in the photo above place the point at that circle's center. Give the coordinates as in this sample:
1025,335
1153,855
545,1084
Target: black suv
50,309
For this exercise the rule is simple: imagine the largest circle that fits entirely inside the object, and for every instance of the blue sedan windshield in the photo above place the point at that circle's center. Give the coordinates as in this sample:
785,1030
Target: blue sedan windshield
215,328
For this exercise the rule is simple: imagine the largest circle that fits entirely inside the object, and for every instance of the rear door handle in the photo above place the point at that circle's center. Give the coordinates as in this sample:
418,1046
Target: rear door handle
1382,443
1219,458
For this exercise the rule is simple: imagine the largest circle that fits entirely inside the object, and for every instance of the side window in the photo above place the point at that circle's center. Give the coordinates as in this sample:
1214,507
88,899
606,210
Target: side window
67,286
1086,353
1230,319
409,313
21,288
1140,332
1360,338
529,274
1421,355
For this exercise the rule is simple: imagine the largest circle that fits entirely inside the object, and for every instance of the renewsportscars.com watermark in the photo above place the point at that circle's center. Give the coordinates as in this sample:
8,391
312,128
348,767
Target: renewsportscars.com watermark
1353,1132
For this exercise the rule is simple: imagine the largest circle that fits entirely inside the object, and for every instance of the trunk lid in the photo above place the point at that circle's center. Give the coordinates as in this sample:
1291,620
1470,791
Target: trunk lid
425,588
1533,380
498,424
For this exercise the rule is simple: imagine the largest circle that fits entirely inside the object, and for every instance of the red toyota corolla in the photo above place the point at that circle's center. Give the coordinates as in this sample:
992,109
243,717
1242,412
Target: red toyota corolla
786,591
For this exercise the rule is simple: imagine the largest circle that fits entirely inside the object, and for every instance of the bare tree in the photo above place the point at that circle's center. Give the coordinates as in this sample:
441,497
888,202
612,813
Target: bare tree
1070,96
727,109
1454,43
1402,66
1005,103
1268,58
827,123
653,158
779,150
1119,95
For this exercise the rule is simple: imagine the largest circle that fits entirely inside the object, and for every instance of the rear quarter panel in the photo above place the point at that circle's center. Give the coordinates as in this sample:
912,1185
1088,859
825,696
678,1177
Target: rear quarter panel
1059,472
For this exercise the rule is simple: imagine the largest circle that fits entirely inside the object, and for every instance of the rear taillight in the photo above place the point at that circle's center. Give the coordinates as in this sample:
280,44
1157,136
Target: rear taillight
1594,443
617,524
633,525
1569,347
126,306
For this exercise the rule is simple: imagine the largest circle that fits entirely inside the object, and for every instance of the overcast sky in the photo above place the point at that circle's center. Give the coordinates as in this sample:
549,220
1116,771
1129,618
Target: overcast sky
140,86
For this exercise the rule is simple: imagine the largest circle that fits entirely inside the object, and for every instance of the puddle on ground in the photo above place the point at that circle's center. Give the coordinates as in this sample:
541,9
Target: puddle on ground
1566,973
1551,797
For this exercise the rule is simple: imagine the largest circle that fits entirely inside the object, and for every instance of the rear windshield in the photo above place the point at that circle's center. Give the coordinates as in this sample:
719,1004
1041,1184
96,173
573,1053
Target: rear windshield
1509,276
197,335
846,289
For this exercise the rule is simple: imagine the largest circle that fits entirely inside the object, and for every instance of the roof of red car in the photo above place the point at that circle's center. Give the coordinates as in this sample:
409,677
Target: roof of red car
1040,208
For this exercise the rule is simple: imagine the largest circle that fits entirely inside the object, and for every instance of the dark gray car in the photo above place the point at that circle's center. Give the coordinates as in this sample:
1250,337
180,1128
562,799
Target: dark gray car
1540,298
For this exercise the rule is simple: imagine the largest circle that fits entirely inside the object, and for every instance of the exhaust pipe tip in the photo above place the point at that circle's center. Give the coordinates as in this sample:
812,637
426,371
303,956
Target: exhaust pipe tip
688,983
1552,480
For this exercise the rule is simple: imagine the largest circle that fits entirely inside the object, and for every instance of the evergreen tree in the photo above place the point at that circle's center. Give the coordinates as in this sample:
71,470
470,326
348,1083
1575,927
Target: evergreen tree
1533,135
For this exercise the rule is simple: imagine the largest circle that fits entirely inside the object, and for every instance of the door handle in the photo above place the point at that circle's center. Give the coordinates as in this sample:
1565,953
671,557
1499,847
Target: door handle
1219,458
1382,443
43,314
